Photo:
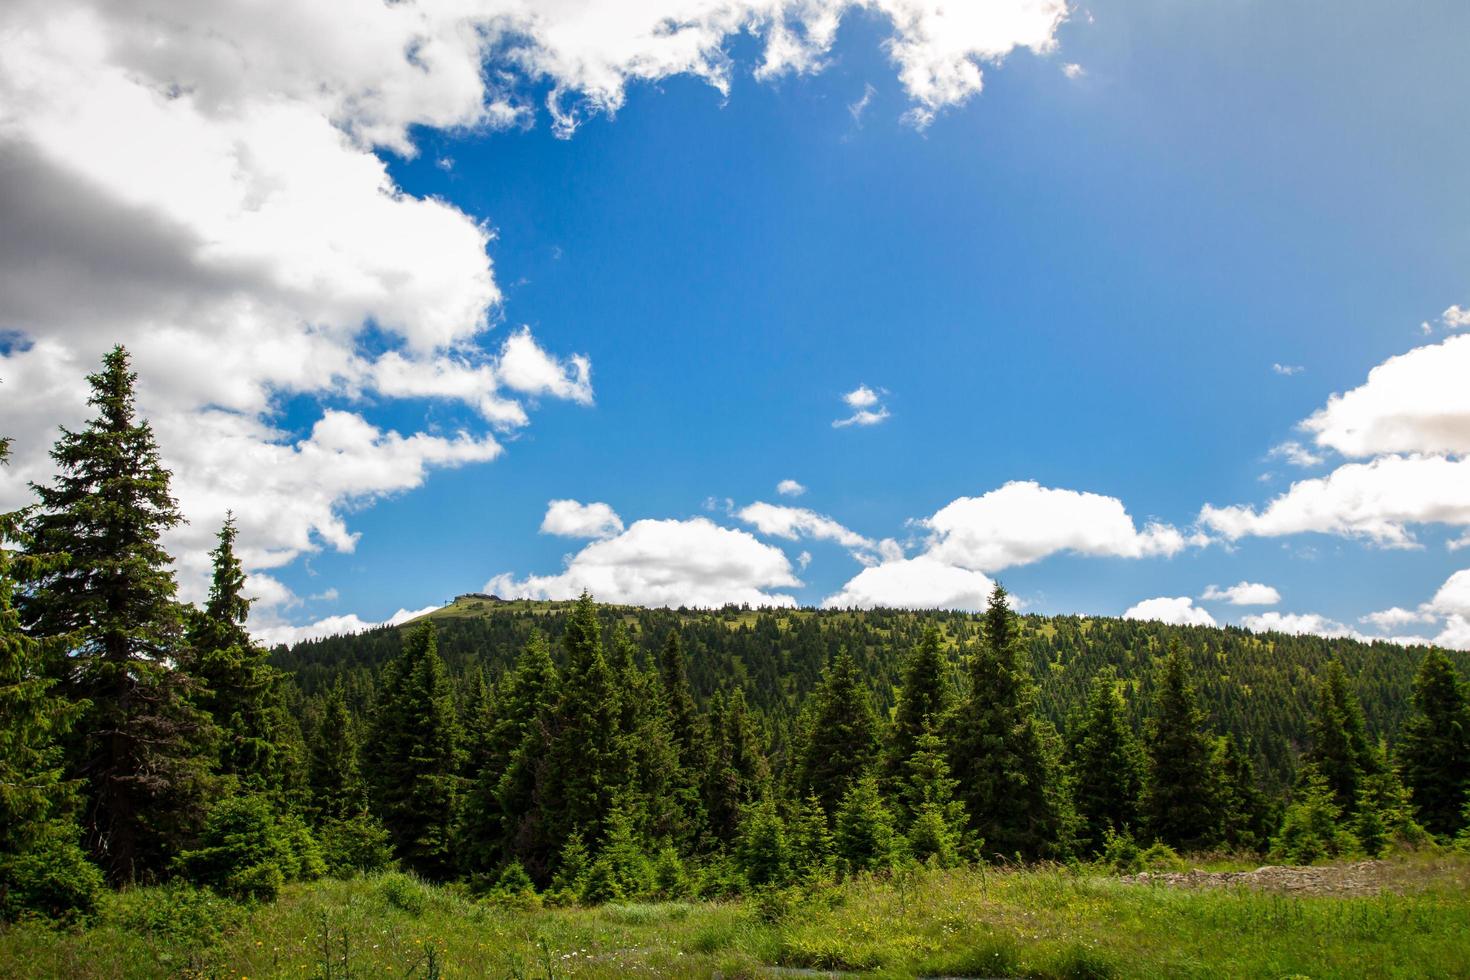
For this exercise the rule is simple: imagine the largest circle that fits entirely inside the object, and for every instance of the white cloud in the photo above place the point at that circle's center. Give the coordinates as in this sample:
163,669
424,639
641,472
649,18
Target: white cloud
1176,611
790,488
1243,594
856,109
572,519
1453,598
1023,522
792,523
1456,634
1417,402
202,183
867,410
1296,454
1378,500
1312,623
1455,317
1287,369
332,626
1391,619
923,582
1073,70
666,563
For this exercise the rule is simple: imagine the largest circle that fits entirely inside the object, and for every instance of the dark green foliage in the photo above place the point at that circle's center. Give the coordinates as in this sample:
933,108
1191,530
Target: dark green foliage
587,759
1435,751
414,749
1106,765
1312,828
1180,795
238,686
812,847
356,844
42,869
762,849
840,737
501,819
739,772
337,787
937,828
922,701
865,839
1245,816
143,749
245,852
998,751
1385,814
621,869
1340,749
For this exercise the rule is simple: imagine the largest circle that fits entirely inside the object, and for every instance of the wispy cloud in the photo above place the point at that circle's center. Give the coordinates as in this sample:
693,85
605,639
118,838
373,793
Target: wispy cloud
867,406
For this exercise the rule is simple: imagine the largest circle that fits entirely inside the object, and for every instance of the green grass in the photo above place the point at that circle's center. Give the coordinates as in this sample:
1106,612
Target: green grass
975,922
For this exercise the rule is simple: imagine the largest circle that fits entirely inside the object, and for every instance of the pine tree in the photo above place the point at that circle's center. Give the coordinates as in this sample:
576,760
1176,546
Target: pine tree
685,720
865,837
239,687
937,829
923,700
1340,750
1106,765
1435,747
502,819
1312,827
1180,794
416,756
1245,817
143,749
588,758
998,750
739,773
762,848
42,868
337,787
840,740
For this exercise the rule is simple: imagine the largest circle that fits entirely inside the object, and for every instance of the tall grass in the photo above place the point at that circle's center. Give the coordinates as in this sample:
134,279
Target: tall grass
1039,922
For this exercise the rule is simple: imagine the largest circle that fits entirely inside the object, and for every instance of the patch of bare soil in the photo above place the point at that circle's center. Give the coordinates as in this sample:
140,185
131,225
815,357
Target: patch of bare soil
1362,878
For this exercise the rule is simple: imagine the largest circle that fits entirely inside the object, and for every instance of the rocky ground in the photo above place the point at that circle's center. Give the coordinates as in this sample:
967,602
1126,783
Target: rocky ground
1361,878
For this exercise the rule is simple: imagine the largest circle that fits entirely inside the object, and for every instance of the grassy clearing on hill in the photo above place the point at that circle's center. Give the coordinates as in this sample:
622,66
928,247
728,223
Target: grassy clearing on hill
1409,919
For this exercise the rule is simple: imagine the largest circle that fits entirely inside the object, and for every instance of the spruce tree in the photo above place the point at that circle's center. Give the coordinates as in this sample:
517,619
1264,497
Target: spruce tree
1340,750
1106,765
840,740
42,868
685,720
739,774
1180,794
337,787
1434,751
923,699
588,758
865,837
142,748
415,756
239,687
937,829
998,750
1245,817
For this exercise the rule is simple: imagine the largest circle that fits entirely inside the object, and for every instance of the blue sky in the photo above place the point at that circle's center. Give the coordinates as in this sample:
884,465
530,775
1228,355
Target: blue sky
1085,277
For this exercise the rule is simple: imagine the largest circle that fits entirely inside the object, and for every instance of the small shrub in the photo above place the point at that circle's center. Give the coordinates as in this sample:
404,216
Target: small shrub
177,911
1121,852
1160,857
355,845
51,879
243,852
1311,830
403,892
670,877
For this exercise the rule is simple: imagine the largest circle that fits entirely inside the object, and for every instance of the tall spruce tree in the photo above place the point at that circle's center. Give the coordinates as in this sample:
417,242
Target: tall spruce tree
587,761
142,748
1434,751
239,687
739,773
415,754
1245,816
1180,794
923,699
839,742
1106,765
338,790
42,868
1340,749
998,750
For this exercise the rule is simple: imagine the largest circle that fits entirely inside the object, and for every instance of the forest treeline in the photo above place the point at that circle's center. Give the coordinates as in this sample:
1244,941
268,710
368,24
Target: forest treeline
603,754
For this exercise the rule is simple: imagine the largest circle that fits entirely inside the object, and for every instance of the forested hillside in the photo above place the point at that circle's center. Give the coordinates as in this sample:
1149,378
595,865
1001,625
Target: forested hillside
1261,688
